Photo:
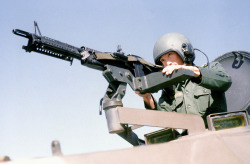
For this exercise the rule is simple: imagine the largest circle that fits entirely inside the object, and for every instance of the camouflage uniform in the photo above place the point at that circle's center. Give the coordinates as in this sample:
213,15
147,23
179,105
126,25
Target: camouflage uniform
195,96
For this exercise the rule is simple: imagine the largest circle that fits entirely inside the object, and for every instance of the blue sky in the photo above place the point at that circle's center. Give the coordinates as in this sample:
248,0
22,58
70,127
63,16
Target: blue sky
42,98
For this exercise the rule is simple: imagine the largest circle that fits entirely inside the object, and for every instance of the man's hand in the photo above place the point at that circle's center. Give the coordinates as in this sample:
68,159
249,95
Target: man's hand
144,96
170,69
147,98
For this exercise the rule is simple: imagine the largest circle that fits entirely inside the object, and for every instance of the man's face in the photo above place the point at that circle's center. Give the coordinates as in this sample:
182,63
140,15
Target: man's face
171,58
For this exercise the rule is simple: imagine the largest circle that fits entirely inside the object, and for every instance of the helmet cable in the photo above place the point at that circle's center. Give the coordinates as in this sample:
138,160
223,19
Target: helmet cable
203,54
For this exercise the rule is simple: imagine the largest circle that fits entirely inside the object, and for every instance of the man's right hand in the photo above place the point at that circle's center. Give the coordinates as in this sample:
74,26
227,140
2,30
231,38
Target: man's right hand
145,95
147,98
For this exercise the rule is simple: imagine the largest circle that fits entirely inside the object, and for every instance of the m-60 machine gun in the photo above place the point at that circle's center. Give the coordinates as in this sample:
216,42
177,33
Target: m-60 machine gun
118,69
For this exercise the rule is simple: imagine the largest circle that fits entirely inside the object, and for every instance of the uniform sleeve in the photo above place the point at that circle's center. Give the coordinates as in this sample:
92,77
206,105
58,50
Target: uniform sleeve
215,77
165,103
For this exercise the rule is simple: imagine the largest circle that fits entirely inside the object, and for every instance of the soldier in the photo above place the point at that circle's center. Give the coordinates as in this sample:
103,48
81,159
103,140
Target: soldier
202,95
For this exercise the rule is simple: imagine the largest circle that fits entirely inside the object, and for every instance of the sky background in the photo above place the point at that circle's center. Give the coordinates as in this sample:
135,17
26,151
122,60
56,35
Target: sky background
44,99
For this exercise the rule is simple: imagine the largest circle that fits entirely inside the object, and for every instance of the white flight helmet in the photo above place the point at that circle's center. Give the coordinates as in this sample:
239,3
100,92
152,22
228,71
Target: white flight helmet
174,42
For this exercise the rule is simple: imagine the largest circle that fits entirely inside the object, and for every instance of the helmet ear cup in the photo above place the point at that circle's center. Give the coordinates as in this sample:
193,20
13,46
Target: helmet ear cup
188,52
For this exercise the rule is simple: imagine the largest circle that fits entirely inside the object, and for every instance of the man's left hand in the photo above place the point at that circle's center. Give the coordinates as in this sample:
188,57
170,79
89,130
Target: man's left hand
170,69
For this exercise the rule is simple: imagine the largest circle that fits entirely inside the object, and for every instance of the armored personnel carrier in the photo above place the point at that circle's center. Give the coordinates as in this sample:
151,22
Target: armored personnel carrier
225,141
183,138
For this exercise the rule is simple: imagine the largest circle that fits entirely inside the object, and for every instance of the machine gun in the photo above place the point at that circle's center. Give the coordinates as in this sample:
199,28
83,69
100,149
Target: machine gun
118,69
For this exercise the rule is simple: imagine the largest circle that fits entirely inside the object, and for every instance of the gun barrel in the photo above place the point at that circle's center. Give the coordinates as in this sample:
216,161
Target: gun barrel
21,33
50,47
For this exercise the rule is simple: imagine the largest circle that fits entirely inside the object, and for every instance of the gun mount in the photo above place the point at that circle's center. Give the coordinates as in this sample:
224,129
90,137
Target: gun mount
118,69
